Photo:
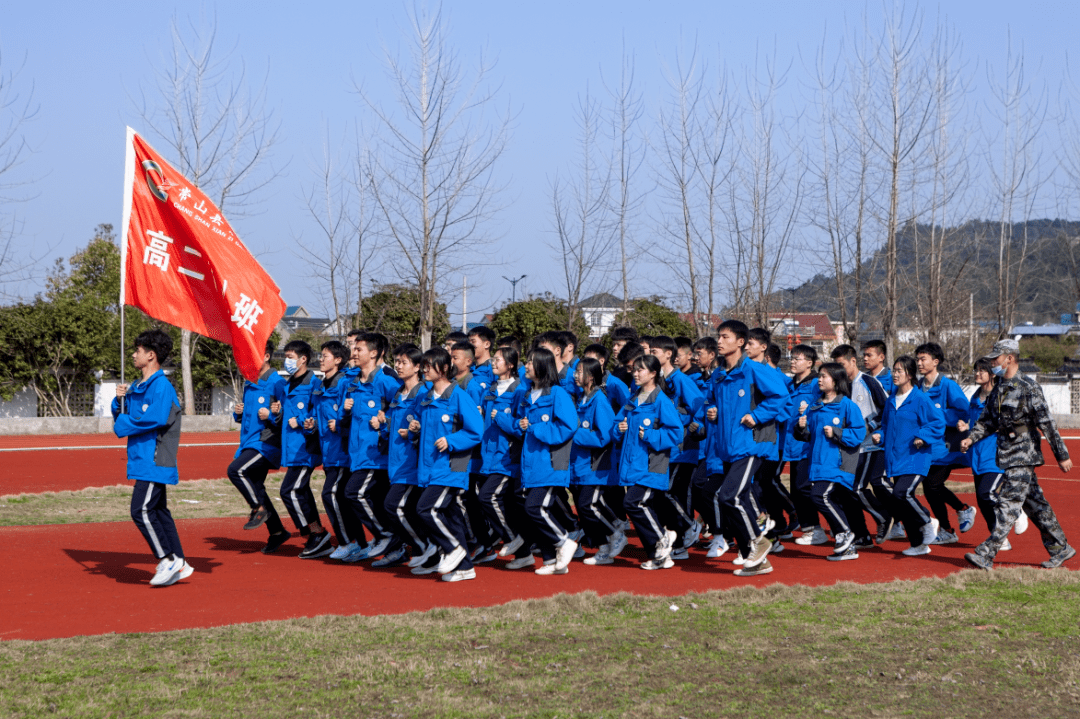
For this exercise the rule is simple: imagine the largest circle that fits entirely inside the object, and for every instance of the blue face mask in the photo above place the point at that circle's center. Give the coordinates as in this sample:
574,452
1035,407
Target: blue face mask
290,365
998,370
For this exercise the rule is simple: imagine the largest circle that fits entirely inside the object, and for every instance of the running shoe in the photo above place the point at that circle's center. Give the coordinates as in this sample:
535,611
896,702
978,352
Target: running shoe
717,546
379,548
691,535
680,554
1059,557
979,560
511,548
917,551
186,571
521,562
317,545
275,541
777,547
897,532
658,563
450,561
812,535
565,552
421,559
458,575
392,559
930,531
739,560
849,553
167,571
356,554
883,530
256,518
944,536
965,518
843,541
552,568
762,568
617,543
490,556
863,542
344,550
431,566
601,557
1005,546
1021,524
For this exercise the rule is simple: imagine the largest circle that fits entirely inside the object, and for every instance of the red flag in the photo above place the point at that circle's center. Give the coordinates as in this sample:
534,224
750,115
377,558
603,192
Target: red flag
184,265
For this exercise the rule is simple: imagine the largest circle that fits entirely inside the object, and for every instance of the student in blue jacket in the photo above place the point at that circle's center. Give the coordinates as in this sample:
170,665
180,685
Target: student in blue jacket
591,464
363,415
148,414
648,428
618,393
547,420
953,403
260,446
745,401
983,454
326,400
501,453
704,500
300,451
875,363
910,427
804,390
403,462
833,429
449,427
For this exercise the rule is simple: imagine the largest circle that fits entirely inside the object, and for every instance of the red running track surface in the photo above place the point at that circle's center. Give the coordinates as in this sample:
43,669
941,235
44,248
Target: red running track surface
69,580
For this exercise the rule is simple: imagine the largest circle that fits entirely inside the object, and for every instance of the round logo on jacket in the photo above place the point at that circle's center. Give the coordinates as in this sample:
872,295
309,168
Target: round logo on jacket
371,403
299,405
647,422
145,407
446,418
410,418
938,405
483,385
544,418
836,420
262,400
742,393
859,398
585,424
335,408
507,410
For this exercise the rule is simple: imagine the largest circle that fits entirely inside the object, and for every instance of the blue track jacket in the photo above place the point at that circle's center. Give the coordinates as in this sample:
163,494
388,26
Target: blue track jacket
151,422
983,454
917,417
749,388
500,448
807,391
566,379
262,435
300,447
402,458
885,378
953,403
646,460
835,459
453,415
327,399
617,391
688,400
546,446
590,456
368,447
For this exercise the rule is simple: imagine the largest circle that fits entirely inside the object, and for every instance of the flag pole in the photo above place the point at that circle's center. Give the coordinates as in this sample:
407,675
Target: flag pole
129,188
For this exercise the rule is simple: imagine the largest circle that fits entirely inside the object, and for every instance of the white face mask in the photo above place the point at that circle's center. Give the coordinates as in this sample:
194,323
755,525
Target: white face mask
290,365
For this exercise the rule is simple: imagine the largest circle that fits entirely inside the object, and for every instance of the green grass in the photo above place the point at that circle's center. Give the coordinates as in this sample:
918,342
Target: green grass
1005,644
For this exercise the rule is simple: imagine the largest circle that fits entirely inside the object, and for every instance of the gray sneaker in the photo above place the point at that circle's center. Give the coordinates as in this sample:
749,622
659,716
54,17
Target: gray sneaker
1059,557
944,536
979,560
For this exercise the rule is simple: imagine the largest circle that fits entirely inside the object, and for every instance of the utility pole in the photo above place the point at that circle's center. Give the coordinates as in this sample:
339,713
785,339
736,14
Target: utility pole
513,286
971,328
464,310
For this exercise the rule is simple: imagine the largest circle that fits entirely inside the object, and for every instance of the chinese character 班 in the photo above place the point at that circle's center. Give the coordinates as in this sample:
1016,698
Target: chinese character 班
246,314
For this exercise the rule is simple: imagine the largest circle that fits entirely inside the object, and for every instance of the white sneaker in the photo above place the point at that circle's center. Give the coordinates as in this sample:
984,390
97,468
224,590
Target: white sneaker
450,561
459,575
917,551
945,537
658,563
897,532
600,557
930,531
1021,523
187,570
515,544
666,543
617,543
812,535
379,548
521,562
168,571
717,546
553,568
565,552
1005,546
428,553
965,518
739,560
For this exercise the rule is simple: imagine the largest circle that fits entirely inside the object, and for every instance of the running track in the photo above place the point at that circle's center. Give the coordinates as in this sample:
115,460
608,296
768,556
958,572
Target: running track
67,580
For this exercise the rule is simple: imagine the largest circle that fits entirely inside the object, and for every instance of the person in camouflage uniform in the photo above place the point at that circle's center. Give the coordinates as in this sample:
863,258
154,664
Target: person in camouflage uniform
1016,410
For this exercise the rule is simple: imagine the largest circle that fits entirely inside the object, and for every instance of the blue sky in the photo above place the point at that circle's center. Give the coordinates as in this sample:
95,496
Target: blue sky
86,60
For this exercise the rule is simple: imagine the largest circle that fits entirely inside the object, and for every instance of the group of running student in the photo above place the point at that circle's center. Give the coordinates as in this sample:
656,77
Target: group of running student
468,452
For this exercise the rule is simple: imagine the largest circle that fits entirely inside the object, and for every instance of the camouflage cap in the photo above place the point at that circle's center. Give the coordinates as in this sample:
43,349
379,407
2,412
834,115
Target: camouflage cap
1004,347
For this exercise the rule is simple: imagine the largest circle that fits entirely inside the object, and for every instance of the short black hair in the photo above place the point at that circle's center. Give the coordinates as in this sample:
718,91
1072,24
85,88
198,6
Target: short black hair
355,332
409,351
569,339
624,334
157,341
485,333
463,347
270,347
382,344
773,353
876,345
737,328
844,352
931,348
806,351
759,334
645,340
545,374
338,350
708,344
301,348
836,371
598,350
455,336
374,342
510,341
684,343
553,338
663,343
630,352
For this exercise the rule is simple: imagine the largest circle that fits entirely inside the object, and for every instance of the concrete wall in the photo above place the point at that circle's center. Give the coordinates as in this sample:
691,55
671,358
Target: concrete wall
23,404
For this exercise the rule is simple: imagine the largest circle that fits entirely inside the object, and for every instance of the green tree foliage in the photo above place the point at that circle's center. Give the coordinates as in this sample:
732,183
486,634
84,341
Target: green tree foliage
394,310
1048,353
652,317
530,317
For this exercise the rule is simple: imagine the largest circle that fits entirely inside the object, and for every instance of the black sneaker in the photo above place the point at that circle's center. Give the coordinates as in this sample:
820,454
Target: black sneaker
257,518
864,542
883,531
275,541
318,545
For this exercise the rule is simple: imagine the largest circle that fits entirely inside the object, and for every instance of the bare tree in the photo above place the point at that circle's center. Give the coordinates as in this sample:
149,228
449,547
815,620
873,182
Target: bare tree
433,178
16,111
628,155
367,240
1012,161
585,231
217,131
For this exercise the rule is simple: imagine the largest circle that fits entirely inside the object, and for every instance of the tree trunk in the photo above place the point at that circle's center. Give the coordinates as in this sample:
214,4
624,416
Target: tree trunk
185,372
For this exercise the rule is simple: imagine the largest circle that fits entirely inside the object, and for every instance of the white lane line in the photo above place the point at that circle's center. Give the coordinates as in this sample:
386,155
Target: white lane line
110,446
